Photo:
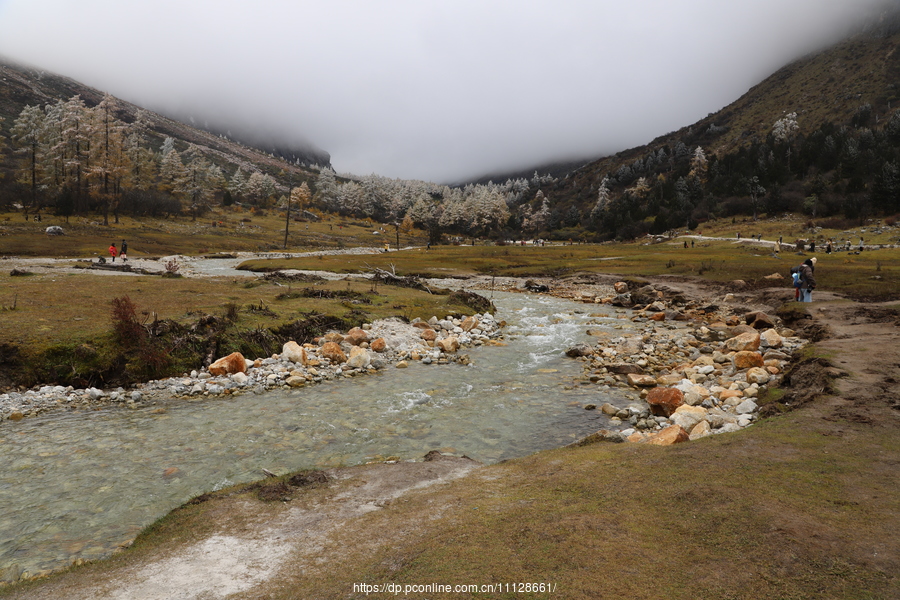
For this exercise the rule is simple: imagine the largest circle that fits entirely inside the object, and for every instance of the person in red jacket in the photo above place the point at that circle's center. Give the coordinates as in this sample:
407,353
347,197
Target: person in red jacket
113,252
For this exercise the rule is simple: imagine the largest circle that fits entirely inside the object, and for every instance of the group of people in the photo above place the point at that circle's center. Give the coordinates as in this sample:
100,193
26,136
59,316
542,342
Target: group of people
121,252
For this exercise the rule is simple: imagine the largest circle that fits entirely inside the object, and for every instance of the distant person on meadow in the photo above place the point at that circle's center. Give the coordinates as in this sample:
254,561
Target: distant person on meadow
807,279
113,252
123,250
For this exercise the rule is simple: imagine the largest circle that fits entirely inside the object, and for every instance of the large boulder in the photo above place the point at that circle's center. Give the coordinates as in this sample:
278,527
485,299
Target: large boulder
359,358
748,341
688,416
622,300
674,434
356,336
332,351
579,350
771,339
759,320
294,352
448,344
664,401
233,363
469,323
758,376
378,345
746,359
429,335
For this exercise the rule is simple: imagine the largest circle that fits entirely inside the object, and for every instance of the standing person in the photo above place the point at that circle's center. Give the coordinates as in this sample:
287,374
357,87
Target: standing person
123,250
807,279
860,244
113,252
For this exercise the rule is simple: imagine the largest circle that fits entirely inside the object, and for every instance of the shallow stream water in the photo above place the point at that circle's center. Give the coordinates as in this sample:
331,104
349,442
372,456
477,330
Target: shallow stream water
78,484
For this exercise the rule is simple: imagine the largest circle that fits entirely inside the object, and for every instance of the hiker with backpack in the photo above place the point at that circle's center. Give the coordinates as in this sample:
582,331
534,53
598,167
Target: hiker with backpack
807,280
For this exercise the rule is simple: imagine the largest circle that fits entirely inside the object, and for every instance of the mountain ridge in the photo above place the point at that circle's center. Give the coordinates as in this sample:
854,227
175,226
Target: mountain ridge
28,85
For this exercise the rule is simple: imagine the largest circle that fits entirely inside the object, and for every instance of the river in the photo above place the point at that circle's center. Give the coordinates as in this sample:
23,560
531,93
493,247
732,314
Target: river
78,484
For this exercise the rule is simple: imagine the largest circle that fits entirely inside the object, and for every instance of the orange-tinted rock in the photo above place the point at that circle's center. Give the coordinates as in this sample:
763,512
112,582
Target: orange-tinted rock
378,345
663,401
356,336
641,380
429,335
333,352
448,344
674,434
233,363
746,341
469,323
294,352
746,360
660,316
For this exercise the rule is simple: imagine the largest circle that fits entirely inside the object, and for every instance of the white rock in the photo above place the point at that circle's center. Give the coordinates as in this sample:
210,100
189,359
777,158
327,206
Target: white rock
746,407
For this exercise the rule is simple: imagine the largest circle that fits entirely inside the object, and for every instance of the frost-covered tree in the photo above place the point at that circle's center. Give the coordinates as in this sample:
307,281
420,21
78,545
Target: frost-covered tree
426,213
109,164
538,220
603,197
327,189
699,165
784,129
350,198
142,159
485,210
260,187
195,187
172,174
216,179
167,146
68,146
238,184
27,131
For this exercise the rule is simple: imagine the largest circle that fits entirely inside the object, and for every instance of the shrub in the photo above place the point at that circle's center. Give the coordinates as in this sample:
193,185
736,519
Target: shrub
127,328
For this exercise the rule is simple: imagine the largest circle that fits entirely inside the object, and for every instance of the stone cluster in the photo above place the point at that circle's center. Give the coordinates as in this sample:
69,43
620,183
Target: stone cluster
695,378
360,351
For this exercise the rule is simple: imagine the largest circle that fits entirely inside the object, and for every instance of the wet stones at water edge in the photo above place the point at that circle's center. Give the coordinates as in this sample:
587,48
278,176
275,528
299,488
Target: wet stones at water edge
688,380
359,351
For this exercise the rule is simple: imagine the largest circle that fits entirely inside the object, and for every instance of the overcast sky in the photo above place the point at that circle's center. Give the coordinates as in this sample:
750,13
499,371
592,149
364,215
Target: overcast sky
422,89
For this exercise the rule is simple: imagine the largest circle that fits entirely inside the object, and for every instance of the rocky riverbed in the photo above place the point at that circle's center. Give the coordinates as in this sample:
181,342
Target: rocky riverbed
690,370
358,352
